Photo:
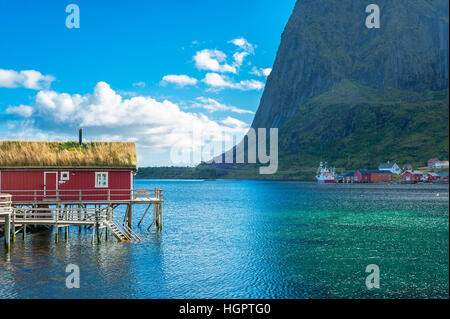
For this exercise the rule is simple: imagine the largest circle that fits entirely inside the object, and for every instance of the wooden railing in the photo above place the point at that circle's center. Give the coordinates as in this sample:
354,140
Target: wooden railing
84,195
60,215
5,204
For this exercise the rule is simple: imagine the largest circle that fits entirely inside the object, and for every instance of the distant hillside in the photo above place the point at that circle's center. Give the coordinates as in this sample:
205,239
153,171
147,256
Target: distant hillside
176,173
353,96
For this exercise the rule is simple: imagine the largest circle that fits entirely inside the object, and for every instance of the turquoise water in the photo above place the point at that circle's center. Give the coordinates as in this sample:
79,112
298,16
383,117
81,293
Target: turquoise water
253,239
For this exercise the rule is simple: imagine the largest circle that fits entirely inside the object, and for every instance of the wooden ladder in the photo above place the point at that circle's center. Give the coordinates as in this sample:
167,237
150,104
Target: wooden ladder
122,233
116,231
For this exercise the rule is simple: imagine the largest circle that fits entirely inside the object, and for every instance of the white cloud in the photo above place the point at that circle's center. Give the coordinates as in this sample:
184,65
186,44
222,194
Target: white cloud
158,125
213,60
21,110
29,79
180,80
218,81
239,57
140,84
234,122
214,106
243,44
261,71
246,49
250,85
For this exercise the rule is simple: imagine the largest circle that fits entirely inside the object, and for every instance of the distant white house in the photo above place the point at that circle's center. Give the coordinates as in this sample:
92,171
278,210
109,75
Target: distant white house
390,167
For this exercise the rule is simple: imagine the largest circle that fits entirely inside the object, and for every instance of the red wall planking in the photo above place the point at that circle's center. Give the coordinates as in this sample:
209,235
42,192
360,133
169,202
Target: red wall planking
119,184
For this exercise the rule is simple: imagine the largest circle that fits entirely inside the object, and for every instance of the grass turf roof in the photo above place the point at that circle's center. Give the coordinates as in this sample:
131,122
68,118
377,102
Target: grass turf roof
67,154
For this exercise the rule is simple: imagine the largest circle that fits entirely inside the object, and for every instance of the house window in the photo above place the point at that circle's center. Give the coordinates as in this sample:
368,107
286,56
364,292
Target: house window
101,179
64,176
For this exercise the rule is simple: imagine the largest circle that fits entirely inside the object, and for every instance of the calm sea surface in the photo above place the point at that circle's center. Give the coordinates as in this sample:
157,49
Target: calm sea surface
253,239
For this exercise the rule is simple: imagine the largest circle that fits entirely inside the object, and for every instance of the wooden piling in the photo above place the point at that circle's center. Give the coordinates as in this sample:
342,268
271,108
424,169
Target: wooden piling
130,216
7,230
160,216
79,215
24,228
56,224
97,224
13,226
56,233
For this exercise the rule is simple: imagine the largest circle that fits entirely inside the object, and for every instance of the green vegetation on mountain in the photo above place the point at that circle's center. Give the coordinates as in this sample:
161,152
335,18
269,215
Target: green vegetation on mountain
350,132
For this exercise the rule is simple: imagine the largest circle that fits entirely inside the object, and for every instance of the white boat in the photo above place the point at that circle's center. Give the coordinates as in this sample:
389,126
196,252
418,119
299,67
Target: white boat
325,175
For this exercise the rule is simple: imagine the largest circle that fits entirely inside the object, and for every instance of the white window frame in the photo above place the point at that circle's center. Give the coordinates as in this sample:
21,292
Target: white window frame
102,185
64,178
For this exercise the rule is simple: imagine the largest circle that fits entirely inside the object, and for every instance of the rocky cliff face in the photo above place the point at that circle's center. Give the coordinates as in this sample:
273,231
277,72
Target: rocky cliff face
326,42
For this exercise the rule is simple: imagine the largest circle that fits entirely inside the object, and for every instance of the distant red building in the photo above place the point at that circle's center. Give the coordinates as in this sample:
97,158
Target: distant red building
373,176
429,177
348,177
412,176
432,162
435,163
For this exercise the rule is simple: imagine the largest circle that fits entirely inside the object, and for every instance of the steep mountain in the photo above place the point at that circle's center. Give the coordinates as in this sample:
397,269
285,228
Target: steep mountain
355,96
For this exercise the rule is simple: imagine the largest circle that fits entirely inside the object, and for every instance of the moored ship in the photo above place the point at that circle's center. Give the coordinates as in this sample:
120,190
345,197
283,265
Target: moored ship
325,175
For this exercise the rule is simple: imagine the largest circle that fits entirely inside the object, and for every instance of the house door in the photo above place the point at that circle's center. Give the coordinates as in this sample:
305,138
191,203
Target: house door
50,184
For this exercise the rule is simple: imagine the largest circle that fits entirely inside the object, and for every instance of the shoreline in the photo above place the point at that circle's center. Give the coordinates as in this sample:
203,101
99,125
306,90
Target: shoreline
290,180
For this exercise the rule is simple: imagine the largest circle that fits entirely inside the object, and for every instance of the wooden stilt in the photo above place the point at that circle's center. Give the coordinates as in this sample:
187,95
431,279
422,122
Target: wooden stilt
160,216
56,233
79,217
97,224
130,216
13,226
155,216
56,224
7,233
24,225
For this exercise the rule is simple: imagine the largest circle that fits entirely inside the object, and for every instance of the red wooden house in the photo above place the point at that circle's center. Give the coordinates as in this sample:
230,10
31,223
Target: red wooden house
412,176
373,176
430,177
349,177
67,171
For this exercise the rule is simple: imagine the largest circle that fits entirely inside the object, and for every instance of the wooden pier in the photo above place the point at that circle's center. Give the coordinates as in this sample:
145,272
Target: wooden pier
94,209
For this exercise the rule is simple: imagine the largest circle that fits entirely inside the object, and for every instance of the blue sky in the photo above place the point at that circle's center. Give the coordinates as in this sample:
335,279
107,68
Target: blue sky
143,71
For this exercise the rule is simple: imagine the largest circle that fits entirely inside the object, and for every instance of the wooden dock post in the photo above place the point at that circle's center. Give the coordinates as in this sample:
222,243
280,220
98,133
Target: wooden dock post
66,235
13,226
160,216
24,228
157,216
108,218
97,224
56,224
79,215
56,233
130,215
7,233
